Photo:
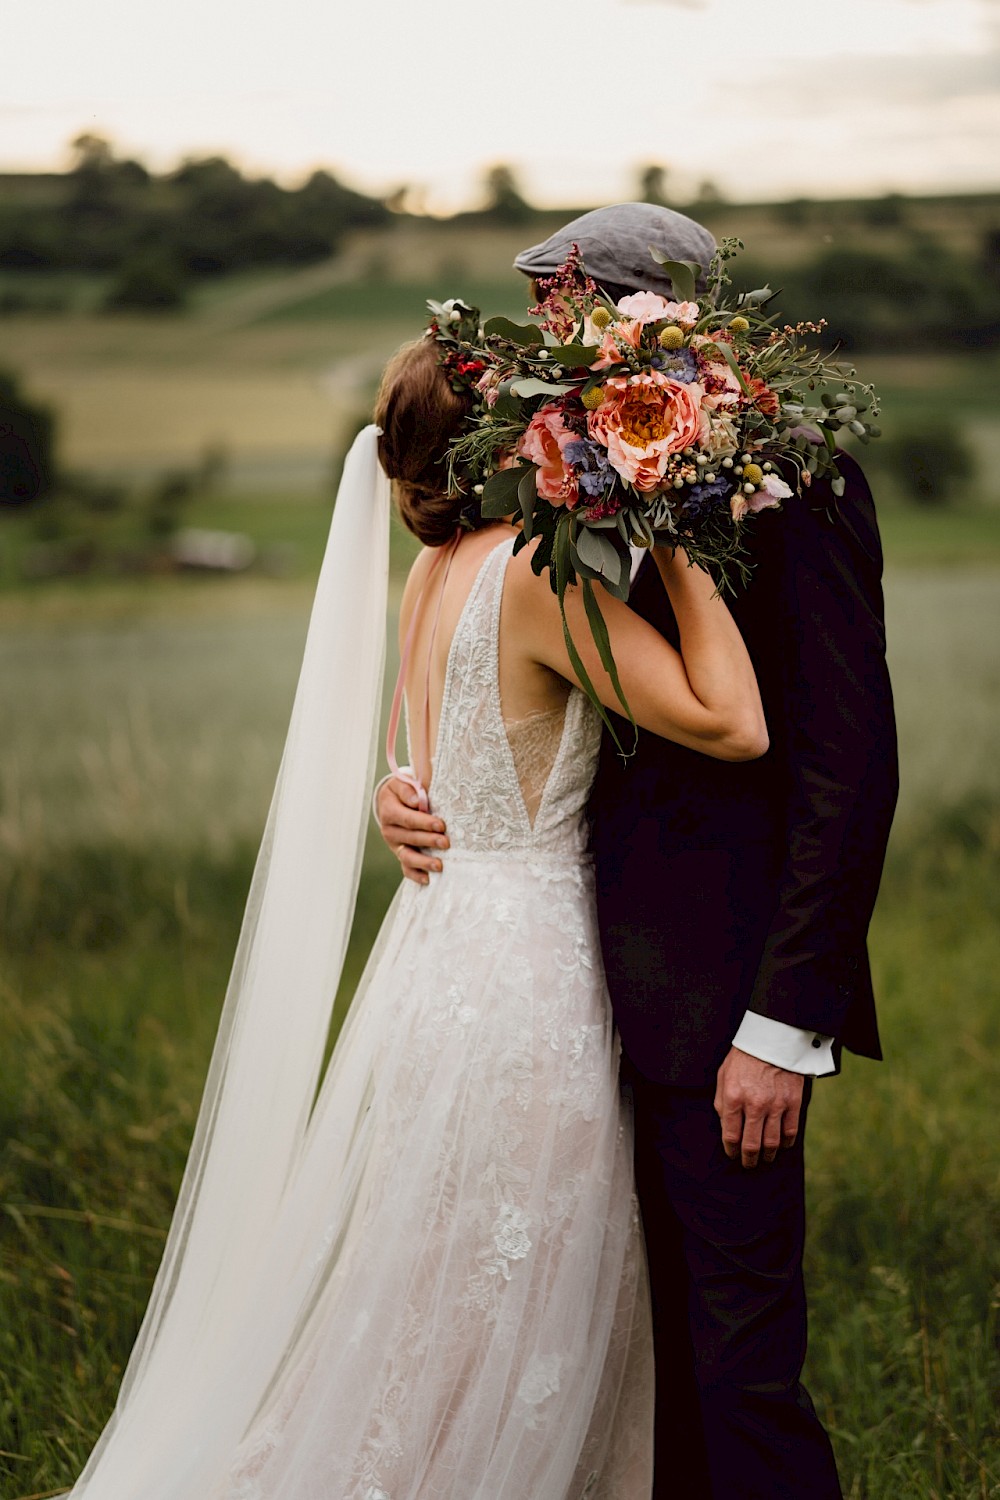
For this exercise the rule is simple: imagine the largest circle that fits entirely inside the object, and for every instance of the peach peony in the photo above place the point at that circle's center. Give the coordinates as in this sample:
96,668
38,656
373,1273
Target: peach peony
642,420
543,443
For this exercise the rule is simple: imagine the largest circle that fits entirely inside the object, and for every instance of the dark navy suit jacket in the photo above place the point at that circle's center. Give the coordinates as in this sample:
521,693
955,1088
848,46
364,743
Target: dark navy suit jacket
725,886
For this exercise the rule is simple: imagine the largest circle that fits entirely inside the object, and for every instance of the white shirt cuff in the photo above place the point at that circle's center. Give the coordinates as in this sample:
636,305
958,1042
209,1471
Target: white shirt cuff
785,1046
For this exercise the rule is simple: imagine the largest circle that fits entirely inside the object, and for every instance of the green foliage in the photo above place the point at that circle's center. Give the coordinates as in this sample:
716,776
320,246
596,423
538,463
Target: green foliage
151,281
128,830
920,297
505,201
105,1032
931,462
113,216
27,446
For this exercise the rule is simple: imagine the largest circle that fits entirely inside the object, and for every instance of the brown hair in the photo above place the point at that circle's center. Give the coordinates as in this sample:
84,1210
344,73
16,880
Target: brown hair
418,413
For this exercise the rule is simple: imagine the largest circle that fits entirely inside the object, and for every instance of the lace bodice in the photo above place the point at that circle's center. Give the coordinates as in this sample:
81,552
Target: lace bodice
475,786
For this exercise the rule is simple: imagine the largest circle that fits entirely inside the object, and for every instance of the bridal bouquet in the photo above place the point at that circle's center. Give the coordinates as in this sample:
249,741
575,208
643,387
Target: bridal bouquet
604,424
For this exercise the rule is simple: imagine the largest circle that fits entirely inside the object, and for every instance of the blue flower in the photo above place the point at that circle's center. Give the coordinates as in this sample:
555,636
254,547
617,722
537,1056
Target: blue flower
679,365
702,498
594,474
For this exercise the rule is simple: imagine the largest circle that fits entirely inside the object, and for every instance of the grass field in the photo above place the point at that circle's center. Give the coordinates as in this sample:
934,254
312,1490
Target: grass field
143,731
143,720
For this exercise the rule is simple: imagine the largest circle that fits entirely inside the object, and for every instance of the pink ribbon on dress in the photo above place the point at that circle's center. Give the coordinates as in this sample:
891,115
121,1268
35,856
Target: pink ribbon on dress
446,555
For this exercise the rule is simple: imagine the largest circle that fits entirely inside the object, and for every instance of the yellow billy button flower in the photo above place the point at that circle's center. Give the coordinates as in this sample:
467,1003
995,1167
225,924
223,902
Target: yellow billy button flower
739,325
753,474
672,337
600,317
593,398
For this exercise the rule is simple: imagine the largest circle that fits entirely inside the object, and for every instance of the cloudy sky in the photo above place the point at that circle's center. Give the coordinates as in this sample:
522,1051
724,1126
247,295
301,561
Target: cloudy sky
766,97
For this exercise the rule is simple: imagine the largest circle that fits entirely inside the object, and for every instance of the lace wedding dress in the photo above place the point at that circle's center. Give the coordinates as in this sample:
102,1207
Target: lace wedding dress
481,1330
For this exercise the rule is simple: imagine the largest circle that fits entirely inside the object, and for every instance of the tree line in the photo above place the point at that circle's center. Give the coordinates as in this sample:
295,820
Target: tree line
152,233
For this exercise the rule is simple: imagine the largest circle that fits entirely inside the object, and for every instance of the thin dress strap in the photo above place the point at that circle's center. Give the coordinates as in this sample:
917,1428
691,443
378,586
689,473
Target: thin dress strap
445,555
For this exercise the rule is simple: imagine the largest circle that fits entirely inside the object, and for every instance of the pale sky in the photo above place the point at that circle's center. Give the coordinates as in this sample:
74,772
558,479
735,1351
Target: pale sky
767,97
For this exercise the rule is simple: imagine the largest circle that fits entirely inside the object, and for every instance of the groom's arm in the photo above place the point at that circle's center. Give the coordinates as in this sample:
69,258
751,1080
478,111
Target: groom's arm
837,742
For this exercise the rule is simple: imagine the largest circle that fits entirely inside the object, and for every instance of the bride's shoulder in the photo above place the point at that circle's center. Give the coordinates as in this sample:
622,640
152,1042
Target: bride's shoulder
522,581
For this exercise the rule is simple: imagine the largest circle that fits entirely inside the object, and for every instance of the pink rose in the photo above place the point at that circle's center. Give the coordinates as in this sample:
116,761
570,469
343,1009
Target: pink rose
642,420
543,443
685,313
645,307
771,491
718,378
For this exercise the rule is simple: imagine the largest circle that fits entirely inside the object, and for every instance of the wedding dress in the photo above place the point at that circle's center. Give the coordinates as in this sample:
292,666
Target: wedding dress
484,1331
431,1285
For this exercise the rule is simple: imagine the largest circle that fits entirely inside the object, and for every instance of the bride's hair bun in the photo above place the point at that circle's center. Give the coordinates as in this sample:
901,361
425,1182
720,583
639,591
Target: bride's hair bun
418,413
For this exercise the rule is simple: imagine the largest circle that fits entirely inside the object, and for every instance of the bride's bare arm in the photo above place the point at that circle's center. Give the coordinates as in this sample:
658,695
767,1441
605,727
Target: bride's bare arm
705,696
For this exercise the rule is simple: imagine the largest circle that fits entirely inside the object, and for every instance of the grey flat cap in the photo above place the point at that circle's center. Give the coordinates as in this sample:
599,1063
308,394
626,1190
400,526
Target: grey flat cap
615,241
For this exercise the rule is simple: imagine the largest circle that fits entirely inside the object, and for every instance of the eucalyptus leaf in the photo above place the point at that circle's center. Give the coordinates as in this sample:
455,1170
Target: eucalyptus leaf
521,333
527,494
532,387
600,553
500,491
599,630
683,274
621,589
575,355
757,297
561,557
507,406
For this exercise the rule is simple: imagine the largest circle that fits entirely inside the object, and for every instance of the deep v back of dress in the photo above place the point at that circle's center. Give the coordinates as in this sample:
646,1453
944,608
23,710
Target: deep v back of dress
501,787
474,1318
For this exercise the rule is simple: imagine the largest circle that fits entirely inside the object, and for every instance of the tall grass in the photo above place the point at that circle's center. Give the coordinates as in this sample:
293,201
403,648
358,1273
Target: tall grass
115,972
141,739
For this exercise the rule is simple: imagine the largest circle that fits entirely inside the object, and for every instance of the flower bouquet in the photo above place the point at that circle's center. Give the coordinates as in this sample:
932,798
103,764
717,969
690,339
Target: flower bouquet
603,425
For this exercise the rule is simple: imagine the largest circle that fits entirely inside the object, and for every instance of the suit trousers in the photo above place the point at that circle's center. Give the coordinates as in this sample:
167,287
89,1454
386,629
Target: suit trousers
724,1246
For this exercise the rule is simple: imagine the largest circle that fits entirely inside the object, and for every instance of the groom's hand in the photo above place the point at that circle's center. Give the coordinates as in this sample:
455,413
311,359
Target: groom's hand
759,1107
409,832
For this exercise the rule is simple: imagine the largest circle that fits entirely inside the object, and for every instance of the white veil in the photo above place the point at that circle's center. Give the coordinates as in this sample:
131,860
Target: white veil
184,1402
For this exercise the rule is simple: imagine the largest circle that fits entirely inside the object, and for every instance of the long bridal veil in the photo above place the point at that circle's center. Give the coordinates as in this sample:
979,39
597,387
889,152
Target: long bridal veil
217,1326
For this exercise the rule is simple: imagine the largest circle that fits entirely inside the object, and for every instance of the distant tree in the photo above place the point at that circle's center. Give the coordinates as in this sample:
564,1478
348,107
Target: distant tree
931,462
504,199
93,153
111,214
653,183
794,213
152,281
888,212
990,257
27,446
873,298
709,193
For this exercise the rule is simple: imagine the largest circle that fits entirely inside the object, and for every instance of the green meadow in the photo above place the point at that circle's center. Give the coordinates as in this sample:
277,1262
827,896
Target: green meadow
143,719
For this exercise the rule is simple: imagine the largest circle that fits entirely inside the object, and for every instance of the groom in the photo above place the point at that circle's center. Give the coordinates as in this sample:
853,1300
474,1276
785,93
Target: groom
734,901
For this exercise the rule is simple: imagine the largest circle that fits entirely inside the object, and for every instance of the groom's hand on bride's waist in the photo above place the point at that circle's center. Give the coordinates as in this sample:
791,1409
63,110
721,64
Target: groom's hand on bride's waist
758,1106
412,835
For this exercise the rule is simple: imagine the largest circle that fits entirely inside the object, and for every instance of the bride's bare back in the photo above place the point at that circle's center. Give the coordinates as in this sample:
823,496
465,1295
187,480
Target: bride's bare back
533,697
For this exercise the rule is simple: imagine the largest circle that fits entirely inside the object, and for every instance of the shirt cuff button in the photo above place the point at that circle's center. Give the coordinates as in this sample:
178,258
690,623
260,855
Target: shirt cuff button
816,1042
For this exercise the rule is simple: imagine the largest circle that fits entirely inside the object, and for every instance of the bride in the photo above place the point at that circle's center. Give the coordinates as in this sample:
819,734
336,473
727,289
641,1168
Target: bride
422,1277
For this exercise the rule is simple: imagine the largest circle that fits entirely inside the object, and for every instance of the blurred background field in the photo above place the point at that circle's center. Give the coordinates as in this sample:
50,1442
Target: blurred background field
145,699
